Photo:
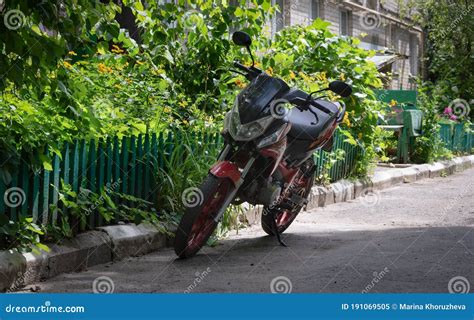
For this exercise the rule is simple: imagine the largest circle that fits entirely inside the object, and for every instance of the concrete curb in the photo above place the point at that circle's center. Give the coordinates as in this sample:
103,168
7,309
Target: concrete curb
114,243
87,249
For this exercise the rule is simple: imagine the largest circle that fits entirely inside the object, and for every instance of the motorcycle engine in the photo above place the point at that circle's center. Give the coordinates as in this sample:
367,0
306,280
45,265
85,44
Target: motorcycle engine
262,191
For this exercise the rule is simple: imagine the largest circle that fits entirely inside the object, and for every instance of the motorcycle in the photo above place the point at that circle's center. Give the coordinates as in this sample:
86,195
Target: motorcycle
270,135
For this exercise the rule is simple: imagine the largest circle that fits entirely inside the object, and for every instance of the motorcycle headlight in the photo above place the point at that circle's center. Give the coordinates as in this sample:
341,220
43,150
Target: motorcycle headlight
272,138
248,131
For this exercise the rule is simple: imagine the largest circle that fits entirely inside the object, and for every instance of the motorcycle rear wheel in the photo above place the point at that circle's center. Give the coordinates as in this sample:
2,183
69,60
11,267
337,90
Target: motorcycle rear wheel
284,217
197,223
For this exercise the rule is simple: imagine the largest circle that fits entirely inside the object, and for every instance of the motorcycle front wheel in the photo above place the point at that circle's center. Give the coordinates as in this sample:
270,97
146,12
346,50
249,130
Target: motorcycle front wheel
197,223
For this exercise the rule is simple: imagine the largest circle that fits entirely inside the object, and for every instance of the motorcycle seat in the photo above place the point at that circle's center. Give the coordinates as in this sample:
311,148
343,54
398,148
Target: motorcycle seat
306,126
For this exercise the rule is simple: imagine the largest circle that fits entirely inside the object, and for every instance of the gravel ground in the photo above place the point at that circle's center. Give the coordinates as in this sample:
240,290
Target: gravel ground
411,238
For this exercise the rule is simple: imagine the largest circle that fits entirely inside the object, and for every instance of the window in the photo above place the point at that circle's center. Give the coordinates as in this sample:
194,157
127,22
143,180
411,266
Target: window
345,25
372,4
413,55
315,9
278,21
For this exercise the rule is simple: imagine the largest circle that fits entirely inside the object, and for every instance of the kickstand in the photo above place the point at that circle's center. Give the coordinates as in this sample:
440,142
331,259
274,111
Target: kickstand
275,231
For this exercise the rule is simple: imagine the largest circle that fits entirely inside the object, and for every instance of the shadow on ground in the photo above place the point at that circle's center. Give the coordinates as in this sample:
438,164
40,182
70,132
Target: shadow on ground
400,259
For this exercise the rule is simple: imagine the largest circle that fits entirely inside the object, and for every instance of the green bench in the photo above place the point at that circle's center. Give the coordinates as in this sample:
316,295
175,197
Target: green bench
406,119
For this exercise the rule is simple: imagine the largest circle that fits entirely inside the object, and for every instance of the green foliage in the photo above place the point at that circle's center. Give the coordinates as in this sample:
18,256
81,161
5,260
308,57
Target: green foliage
448,48
429,146
324,177
190,41
22,235
37,34
112,206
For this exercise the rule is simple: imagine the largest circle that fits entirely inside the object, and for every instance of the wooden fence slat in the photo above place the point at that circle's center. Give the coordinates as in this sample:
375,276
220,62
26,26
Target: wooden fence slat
65,168
36,193
65,172
25,186
101,185
124,164
155,167
139,168
83,165
109,161
55,190
133,165
14,197
147,172
116,168
92,177
75,166
45,195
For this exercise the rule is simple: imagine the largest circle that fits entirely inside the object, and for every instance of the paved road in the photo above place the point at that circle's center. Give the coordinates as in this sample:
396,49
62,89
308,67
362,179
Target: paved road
413,238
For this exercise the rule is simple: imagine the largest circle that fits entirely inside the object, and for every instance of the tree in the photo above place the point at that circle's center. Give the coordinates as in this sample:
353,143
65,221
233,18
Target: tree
448,58
35,35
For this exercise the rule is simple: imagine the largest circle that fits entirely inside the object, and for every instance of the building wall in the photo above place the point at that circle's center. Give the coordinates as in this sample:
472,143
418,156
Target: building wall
372,28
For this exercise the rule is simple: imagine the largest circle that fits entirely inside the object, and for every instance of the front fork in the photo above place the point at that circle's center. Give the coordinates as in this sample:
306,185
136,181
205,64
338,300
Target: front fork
228,170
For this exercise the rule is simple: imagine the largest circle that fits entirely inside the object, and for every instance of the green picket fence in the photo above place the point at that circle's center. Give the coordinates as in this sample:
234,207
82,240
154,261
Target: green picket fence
127,165
341,168
456,137
124,165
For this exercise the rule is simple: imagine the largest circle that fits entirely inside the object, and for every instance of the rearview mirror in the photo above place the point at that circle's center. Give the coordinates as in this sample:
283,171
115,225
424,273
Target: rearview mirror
341,88
241,38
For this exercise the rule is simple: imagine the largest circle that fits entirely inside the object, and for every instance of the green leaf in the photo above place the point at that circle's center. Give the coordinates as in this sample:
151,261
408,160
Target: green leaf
46,161
320,24
43,247
239,12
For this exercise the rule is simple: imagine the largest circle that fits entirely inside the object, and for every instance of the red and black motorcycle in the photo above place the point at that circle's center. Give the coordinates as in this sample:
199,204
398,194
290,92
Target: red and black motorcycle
267,157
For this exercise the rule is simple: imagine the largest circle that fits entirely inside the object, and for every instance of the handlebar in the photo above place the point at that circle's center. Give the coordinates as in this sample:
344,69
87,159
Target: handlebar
250,72
240,66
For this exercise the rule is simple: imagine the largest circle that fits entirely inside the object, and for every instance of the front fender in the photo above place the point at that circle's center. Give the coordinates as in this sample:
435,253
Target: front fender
226,169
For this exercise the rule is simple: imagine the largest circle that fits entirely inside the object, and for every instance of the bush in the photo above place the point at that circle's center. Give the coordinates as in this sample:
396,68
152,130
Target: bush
429,147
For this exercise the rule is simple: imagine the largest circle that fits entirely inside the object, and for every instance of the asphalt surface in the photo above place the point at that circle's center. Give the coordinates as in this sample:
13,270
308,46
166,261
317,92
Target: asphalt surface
415,237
